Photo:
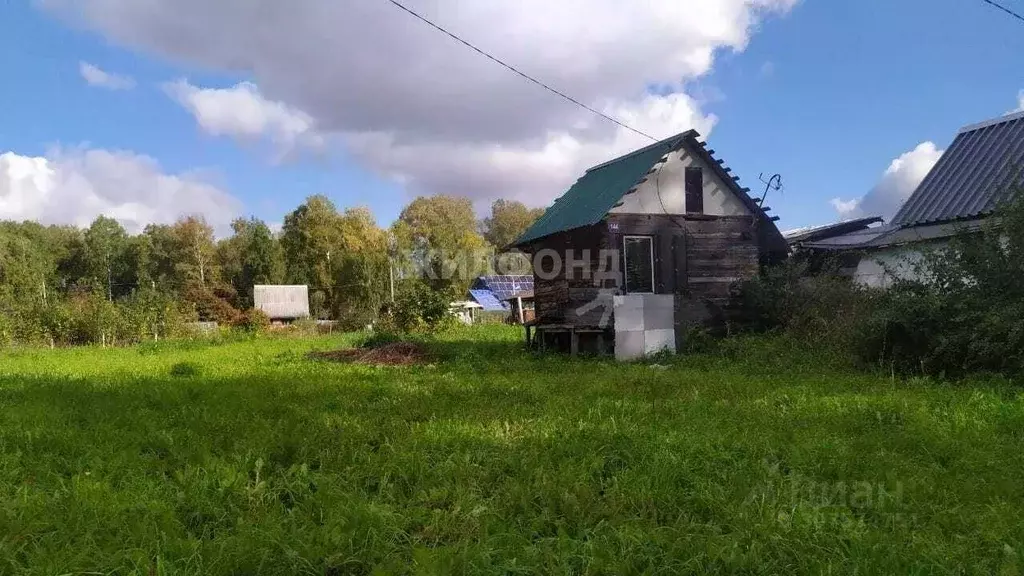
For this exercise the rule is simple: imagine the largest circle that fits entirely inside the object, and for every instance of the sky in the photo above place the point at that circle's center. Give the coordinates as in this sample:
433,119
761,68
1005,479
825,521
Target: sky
146,111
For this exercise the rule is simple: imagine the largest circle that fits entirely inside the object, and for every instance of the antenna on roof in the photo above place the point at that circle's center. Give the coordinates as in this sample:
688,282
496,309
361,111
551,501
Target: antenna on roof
772,183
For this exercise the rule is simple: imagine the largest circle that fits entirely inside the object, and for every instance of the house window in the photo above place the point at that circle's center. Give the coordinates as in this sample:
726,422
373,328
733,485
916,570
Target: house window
694,190
639,262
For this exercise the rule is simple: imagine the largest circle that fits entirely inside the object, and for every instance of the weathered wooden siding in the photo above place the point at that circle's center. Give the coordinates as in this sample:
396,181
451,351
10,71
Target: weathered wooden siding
669,245
696,257
557,300
720,252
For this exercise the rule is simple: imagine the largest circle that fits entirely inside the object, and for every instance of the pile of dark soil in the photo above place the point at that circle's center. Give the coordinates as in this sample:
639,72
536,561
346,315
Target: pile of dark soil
392,354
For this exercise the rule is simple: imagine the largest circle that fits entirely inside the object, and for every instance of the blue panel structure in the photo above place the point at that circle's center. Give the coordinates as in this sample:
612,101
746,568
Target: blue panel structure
503,287
488,300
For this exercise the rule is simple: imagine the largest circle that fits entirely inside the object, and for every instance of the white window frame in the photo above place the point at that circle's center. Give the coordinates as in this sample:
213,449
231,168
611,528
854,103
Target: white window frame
625,262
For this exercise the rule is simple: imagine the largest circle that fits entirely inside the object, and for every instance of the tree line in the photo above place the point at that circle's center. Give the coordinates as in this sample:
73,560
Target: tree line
67,285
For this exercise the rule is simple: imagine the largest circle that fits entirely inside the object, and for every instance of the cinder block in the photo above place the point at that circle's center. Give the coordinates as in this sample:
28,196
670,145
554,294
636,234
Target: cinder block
630,314
659,301
627,320
629,346
659,340
659,318
629,301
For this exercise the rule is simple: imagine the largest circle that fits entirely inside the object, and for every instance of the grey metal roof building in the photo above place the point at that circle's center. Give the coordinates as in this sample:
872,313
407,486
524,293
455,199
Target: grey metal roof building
974,175
282,302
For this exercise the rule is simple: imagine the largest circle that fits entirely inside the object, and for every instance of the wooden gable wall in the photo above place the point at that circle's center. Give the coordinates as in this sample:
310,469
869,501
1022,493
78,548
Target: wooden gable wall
696,257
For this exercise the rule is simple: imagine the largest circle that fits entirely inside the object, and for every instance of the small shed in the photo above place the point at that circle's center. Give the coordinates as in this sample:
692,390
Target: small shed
465,312
643,247
521,307
282,303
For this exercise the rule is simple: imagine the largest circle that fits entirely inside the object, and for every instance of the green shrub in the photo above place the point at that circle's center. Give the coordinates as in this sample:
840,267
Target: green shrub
255,321
963,314
418,307
826,309
210,306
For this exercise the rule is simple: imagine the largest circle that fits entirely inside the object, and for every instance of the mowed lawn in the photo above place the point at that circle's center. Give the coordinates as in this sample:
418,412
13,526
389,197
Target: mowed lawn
252,458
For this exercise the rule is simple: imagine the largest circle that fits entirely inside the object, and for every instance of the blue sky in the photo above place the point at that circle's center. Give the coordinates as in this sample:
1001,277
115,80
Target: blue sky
826,93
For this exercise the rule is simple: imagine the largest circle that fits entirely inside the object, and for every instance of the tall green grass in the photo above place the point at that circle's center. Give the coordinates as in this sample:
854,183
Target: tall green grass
247,457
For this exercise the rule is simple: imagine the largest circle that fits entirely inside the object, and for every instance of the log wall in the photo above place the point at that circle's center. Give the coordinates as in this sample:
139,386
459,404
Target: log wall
696,257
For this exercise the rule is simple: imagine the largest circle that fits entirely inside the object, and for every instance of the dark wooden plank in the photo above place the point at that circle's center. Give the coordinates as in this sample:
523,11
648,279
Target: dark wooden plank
731,236
720,246
679,264
664,265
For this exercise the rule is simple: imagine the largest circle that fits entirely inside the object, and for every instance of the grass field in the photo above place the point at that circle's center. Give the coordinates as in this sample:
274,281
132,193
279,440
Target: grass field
248,457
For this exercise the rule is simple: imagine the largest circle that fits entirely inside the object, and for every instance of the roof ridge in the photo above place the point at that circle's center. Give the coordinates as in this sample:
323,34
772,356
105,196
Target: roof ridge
992,122
679,136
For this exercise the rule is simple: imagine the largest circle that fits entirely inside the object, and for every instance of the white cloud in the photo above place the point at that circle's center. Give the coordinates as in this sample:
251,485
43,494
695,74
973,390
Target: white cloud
1020,103
416,104
898,182
767,69
242,112
518,173
75,185
94,76
846,208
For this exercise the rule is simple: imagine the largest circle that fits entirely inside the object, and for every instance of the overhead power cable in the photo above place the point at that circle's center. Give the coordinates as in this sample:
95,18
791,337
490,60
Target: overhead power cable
517,71
1008,11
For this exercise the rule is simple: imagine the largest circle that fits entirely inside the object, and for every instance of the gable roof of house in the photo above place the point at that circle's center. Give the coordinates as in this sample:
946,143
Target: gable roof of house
600,188
972,177
817,233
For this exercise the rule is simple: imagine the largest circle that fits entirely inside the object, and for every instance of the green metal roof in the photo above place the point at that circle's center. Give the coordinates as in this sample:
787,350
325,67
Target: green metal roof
599,189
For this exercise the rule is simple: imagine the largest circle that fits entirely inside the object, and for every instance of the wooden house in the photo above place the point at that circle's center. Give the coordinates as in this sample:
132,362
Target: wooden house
666,227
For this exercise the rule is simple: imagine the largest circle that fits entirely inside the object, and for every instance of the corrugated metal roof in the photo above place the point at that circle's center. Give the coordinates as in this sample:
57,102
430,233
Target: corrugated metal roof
597,191
849,241
885,236
813,233
282,302
974,175
588,201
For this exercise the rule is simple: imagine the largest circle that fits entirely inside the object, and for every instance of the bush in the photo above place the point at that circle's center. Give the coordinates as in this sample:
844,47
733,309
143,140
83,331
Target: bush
963,314
255,321
826,309
418,307
209,307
